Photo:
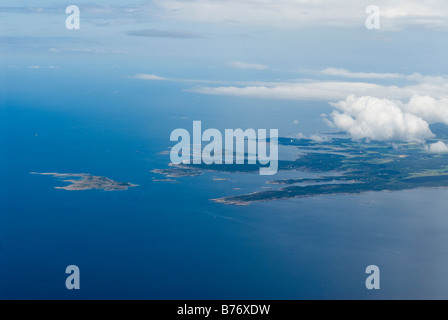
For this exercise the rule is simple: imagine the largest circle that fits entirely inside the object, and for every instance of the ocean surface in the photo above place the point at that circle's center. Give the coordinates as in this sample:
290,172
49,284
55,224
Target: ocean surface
165,240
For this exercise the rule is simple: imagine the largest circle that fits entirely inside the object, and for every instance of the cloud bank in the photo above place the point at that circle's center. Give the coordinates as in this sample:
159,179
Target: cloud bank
361,75
395,14
364,110
338,90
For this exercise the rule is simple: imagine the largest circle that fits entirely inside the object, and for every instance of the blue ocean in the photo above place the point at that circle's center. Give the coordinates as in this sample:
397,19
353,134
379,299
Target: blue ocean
167,240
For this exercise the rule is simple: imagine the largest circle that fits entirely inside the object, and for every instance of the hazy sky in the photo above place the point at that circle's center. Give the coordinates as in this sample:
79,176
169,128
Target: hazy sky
384,84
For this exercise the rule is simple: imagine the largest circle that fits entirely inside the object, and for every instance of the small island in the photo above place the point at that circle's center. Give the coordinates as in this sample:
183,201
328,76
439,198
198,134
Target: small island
84,181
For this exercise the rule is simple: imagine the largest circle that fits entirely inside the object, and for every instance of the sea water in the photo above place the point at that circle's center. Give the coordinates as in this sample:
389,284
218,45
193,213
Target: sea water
167,240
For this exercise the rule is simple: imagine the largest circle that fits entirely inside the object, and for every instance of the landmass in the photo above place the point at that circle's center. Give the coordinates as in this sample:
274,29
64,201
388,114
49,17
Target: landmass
84,181
342,166
179,171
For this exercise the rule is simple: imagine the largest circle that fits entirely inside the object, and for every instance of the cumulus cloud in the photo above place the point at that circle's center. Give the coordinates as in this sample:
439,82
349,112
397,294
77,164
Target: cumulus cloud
242,65
378,119
385,119
428,108
438,147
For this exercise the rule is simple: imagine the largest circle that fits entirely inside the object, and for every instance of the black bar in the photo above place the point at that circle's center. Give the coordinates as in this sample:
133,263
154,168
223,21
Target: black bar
154,309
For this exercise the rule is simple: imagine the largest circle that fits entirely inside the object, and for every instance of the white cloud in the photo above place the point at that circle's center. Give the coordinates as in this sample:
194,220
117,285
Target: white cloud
395,14
436,87
172,34
319,139
365,110
153,77
428,108
379,119
438,147
362,75
149,77
43,67
242,65
384,119
303,89
296,91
